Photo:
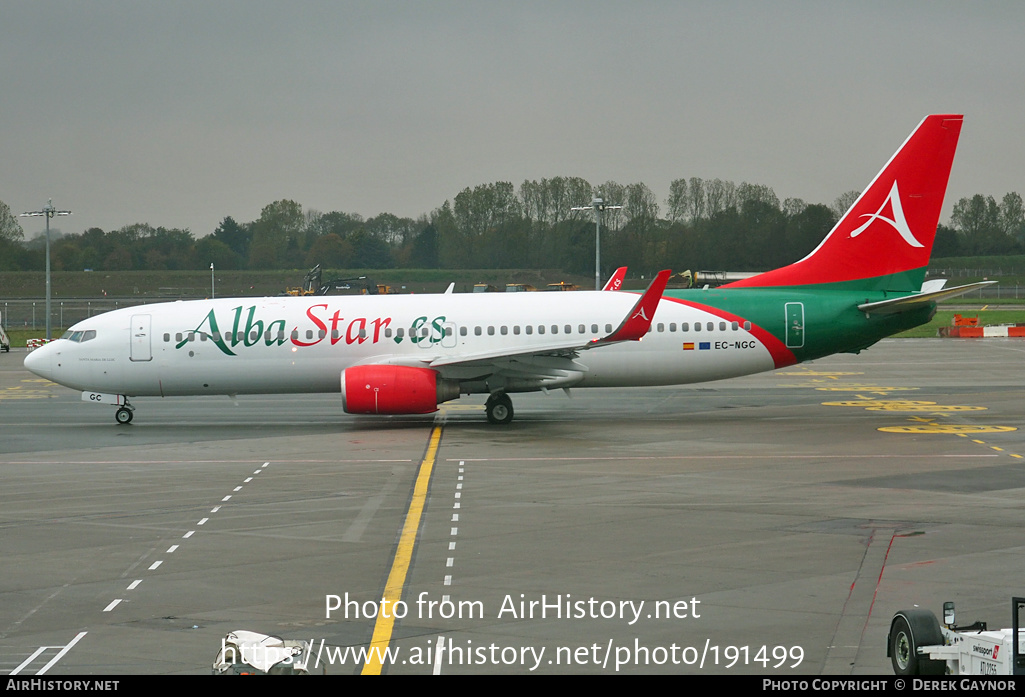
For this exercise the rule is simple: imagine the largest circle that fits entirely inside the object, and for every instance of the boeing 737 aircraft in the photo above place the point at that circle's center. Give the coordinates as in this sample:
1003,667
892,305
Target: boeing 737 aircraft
392,354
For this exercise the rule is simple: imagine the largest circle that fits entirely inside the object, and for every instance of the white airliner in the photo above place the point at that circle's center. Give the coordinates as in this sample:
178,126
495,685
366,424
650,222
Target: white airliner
391,354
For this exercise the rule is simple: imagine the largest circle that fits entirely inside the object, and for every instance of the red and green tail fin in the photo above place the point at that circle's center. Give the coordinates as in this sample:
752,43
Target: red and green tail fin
884,241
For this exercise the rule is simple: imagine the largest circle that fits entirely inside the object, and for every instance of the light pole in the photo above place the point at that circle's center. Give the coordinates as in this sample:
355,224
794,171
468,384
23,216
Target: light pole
598,206
213,292
49,211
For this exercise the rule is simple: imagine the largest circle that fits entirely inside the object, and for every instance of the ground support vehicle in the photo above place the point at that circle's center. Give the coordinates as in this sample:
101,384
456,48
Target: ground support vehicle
250,653
918,644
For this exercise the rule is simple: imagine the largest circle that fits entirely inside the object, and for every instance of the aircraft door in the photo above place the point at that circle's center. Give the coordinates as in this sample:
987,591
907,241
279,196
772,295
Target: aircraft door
795,325
141,347
449,340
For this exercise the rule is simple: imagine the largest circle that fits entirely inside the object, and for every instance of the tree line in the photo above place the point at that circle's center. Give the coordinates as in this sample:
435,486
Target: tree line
703,224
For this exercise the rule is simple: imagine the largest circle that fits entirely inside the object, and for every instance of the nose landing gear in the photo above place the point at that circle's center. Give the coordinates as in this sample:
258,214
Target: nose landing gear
124,414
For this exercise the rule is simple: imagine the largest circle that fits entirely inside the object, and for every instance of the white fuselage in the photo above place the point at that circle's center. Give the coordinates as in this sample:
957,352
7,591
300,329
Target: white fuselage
296,345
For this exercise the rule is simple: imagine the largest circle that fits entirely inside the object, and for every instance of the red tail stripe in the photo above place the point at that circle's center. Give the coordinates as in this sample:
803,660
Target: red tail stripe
781,355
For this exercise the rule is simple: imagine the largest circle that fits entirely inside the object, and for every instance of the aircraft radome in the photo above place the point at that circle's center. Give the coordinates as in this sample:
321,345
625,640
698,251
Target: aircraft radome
405,354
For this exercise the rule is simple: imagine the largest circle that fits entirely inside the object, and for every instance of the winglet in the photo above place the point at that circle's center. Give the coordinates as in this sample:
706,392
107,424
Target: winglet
638,321
616,282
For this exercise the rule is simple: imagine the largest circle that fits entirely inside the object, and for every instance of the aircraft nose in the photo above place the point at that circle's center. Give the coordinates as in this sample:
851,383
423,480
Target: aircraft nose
40,362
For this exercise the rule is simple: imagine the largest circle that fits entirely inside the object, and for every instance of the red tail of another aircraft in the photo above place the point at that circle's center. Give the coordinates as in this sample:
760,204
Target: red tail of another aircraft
884,241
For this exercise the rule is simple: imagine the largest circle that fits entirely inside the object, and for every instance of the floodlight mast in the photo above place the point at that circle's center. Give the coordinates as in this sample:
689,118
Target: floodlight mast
598,206
49,211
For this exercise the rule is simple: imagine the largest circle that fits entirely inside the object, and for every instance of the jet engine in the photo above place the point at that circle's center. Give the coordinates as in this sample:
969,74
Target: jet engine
394,389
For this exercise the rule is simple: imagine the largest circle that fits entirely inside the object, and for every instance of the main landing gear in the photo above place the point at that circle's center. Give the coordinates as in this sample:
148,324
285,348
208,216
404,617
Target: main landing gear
499,408
124,414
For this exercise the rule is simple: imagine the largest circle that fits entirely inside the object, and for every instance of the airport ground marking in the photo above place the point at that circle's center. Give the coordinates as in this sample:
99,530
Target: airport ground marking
396,582
53,661
173,548
453,532
19,393
946,428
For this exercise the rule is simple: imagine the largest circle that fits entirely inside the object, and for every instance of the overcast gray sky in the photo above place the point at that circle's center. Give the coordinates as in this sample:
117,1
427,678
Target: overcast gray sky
181,113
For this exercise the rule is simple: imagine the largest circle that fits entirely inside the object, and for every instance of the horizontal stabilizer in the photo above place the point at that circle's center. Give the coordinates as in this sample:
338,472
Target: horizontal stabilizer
910,302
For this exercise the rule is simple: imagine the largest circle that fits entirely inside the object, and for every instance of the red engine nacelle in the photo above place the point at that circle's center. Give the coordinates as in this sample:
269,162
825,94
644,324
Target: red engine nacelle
394,389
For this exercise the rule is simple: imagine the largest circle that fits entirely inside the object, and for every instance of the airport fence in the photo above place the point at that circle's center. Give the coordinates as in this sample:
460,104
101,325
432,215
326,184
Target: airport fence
31,314
998,291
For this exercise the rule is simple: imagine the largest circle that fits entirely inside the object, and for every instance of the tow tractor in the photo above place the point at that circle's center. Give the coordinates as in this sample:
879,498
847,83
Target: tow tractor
919,645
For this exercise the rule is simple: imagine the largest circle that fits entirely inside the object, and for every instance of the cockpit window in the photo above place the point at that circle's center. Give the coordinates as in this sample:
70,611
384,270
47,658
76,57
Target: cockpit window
80,336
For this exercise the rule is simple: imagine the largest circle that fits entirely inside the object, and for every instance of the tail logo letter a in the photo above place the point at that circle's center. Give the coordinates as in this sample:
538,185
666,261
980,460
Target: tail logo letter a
898,222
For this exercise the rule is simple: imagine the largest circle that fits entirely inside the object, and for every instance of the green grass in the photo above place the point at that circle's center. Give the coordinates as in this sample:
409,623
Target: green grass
19,336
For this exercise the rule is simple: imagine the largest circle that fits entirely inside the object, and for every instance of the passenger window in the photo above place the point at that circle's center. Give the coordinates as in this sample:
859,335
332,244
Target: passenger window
747,326
684,326
503,330
661,327
477,331
555,329
516,330
672,326
462,331
608,328
594,328
491,331
722,326
697,326
710,326
529,329
568,329
540,329
167,337
735,326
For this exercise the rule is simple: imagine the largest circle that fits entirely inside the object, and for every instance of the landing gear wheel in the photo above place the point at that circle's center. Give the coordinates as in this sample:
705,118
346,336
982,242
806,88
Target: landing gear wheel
499,409
123,416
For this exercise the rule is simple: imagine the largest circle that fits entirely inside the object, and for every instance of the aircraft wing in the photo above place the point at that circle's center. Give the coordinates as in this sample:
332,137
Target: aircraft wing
908,302
550,360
